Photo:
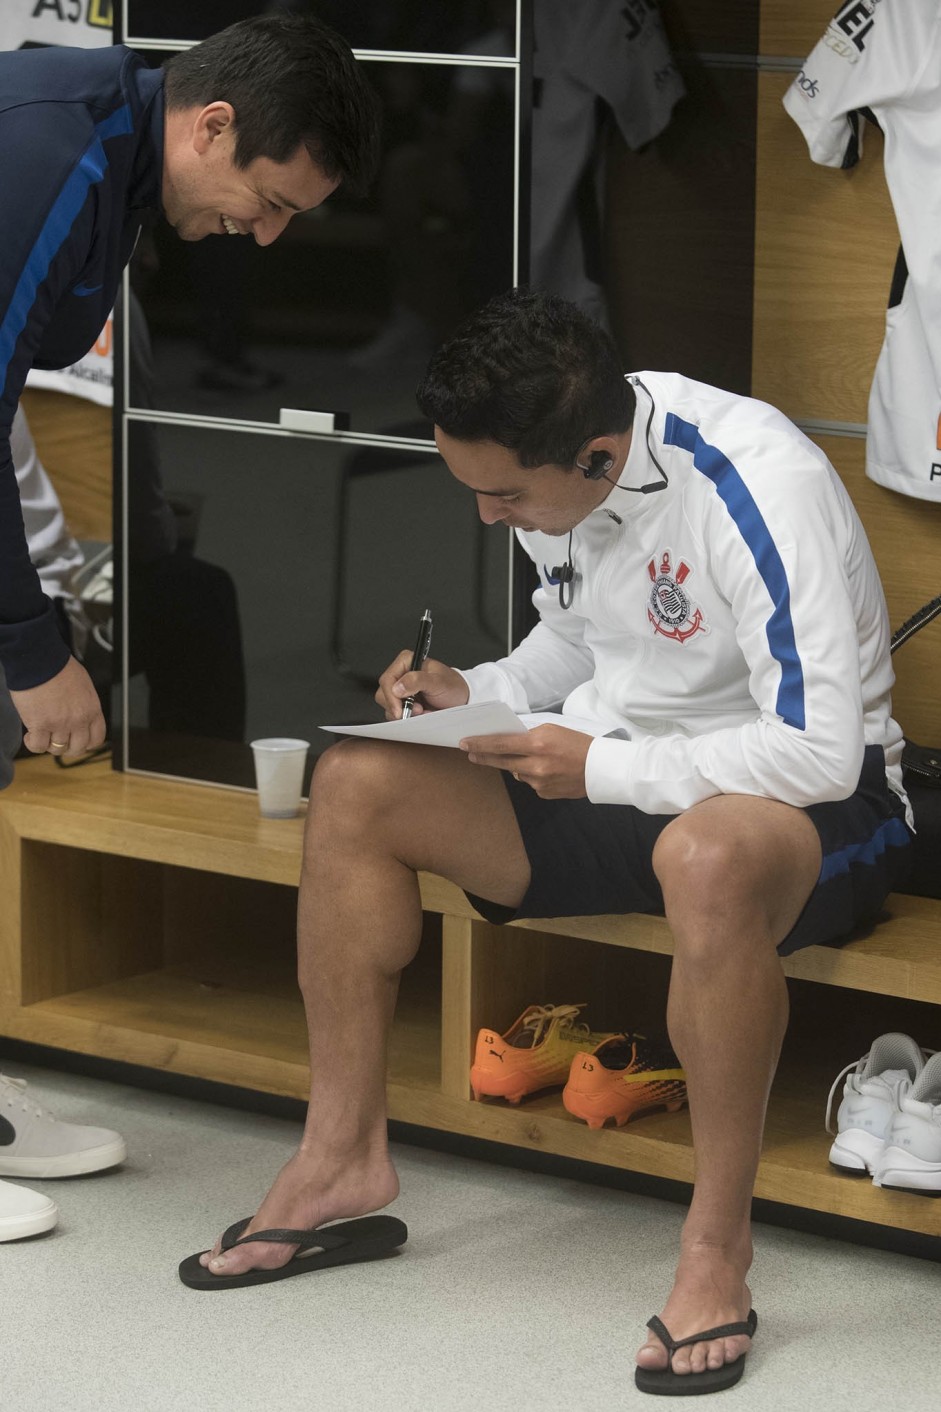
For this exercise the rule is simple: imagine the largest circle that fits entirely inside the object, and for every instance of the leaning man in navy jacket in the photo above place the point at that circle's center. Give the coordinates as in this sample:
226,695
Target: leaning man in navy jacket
232,137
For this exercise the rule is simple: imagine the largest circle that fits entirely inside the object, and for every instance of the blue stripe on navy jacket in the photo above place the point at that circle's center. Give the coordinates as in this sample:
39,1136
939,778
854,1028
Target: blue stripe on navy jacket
81,162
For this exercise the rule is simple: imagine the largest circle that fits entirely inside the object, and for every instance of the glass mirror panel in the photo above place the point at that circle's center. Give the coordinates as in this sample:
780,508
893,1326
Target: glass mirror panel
459,27
271,579
342,313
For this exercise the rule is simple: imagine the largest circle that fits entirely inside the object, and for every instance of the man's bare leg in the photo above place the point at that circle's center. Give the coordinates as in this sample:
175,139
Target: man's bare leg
736,873
378,813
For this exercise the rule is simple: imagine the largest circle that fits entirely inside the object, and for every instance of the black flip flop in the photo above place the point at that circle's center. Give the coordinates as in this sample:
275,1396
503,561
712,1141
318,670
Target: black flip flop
347,1242
671,1384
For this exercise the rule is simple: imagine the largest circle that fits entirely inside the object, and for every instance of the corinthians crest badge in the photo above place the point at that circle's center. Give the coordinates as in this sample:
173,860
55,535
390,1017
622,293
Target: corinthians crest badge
668,605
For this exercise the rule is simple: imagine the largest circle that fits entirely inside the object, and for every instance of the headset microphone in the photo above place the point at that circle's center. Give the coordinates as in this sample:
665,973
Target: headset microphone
598,463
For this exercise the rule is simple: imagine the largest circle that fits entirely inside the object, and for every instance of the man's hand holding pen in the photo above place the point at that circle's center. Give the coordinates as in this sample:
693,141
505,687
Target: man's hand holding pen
435,686
549,758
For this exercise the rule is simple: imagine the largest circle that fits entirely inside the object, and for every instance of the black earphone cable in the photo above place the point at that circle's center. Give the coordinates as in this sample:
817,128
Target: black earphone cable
567,577
654,485
566,572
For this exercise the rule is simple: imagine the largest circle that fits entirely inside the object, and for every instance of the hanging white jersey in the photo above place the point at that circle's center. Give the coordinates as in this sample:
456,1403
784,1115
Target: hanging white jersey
883,57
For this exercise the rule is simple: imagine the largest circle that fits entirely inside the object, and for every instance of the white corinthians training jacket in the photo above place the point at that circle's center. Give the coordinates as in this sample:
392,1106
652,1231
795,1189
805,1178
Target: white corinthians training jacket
733,624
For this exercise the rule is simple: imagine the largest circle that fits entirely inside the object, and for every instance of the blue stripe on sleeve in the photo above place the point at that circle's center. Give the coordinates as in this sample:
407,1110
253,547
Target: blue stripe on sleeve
89,169
748,519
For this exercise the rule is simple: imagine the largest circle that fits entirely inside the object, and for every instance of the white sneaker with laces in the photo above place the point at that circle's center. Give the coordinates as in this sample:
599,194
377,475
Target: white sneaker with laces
24,1212
35,1144
911,1158
870,1100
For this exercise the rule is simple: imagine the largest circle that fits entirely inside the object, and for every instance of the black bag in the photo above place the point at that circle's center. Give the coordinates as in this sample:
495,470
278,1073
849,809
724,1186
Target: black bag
921,766
921,775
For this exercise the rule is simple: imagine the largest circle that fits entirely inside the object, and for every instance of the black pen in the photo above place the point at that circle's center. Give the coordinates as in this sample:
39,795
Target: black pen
418,657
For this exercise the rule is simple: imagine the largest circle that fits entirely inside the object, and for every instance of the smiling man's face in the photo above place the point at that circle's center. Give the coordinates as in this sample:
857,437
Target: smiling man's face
205,193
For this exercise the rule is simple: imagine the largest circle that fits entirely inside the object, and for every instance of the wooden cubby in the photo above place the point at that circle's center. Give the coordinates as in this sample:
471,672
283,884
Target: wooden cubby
152,922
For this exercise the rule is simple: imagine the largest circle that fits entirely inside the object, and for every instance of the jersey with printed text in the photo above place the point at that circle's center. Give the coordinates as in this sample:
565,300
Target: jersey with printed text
882,59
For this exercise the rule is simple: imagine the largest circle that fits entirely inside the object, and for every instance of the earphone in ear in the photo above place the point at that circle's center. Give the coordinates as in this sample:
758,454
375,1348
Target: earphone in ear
599,462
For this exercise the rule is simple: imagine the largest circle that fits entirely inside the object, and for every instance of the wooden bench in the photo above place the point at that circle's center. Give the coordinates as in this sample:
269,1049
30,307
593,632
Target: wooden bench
152,922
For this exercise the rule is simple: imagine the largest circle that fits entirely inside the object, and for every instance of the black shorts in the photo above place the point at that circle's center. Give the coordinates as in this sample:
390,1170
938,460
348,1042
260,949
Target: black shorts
596,859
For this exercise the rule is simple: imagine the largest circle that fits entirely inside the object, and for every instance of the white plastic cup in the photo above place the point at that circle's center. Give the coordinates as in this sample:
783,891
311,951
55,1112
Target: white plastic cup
279,775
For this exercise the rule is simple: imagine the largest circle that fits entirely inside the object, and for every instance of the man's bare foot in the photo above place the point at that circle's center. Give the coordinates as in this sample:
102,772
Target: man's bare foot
709,1291
309,1191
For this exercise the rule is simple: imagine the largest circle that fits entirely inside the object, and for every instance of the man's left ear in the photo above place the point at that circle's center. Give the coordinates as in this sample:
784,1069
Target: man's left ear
211,122
597,456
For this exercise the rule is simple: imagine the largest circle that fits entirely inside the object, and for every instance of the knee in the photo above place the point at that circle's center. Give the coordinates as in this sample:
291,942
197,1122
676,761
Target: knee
690,857
352,784
705,884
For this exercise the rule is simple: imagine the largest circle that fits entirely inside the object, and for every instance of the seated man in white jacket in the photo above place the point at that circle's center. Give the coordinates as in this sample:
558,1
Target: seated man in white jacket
718,606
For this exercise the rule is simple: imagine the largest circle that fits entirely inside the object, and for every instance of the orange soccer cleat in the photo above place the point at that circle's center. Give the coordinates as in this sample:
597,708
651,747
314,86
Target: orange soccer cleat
624,1075
536,1052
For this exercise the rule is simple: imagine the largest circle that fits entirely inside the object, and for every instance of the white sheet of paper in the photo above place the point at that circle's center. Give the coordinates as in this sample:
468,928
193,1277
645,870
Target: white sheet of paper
588,725
457,723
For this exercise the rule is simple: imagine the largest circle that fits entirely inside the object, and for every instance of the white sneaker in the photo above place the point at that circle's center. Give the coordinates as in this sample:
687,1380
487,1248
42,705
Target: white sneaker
870,1100
24,1212
911,1158
34,1144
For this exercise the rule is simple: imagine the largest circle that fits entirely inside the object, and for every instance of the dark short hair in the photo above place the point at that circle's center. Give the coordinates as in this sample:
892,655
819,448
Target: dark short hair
531,372
291,80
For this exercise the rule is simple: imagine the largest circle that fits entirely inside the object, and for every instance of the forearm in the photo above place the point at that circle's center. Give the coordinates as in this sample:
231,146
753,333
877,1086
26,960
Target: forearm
665,775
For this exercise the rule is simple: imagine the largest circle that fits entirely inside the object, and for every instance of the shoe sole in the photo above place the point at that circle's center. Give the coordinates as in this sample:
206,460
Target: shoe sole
67,1164
33,1224
369,1238
856,1152
902,1171
513,1088
598,1112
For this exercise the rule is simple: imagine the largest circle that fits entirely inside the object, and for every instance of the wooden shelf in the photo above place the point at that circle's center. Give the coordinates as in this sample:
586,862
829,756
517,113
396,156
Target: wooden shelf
153,923
901,956
240,1033
794,1169
248,1029
220,831
132,816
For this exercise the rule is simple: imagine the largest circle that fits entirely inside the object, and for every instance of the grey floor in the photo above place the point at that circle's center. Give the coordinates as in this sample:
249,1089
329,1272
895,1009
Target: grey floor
514,1292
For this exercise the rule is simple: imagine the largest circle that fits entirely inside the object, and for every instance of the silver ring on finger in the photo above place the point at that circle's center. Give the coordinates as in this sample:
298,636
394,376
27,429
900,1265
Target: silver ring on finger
58,745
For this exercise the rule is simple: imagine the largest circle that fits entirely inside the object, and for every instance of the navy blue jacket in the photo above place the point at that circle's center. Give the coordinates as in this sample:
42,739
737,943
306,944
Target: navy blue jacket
81,165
